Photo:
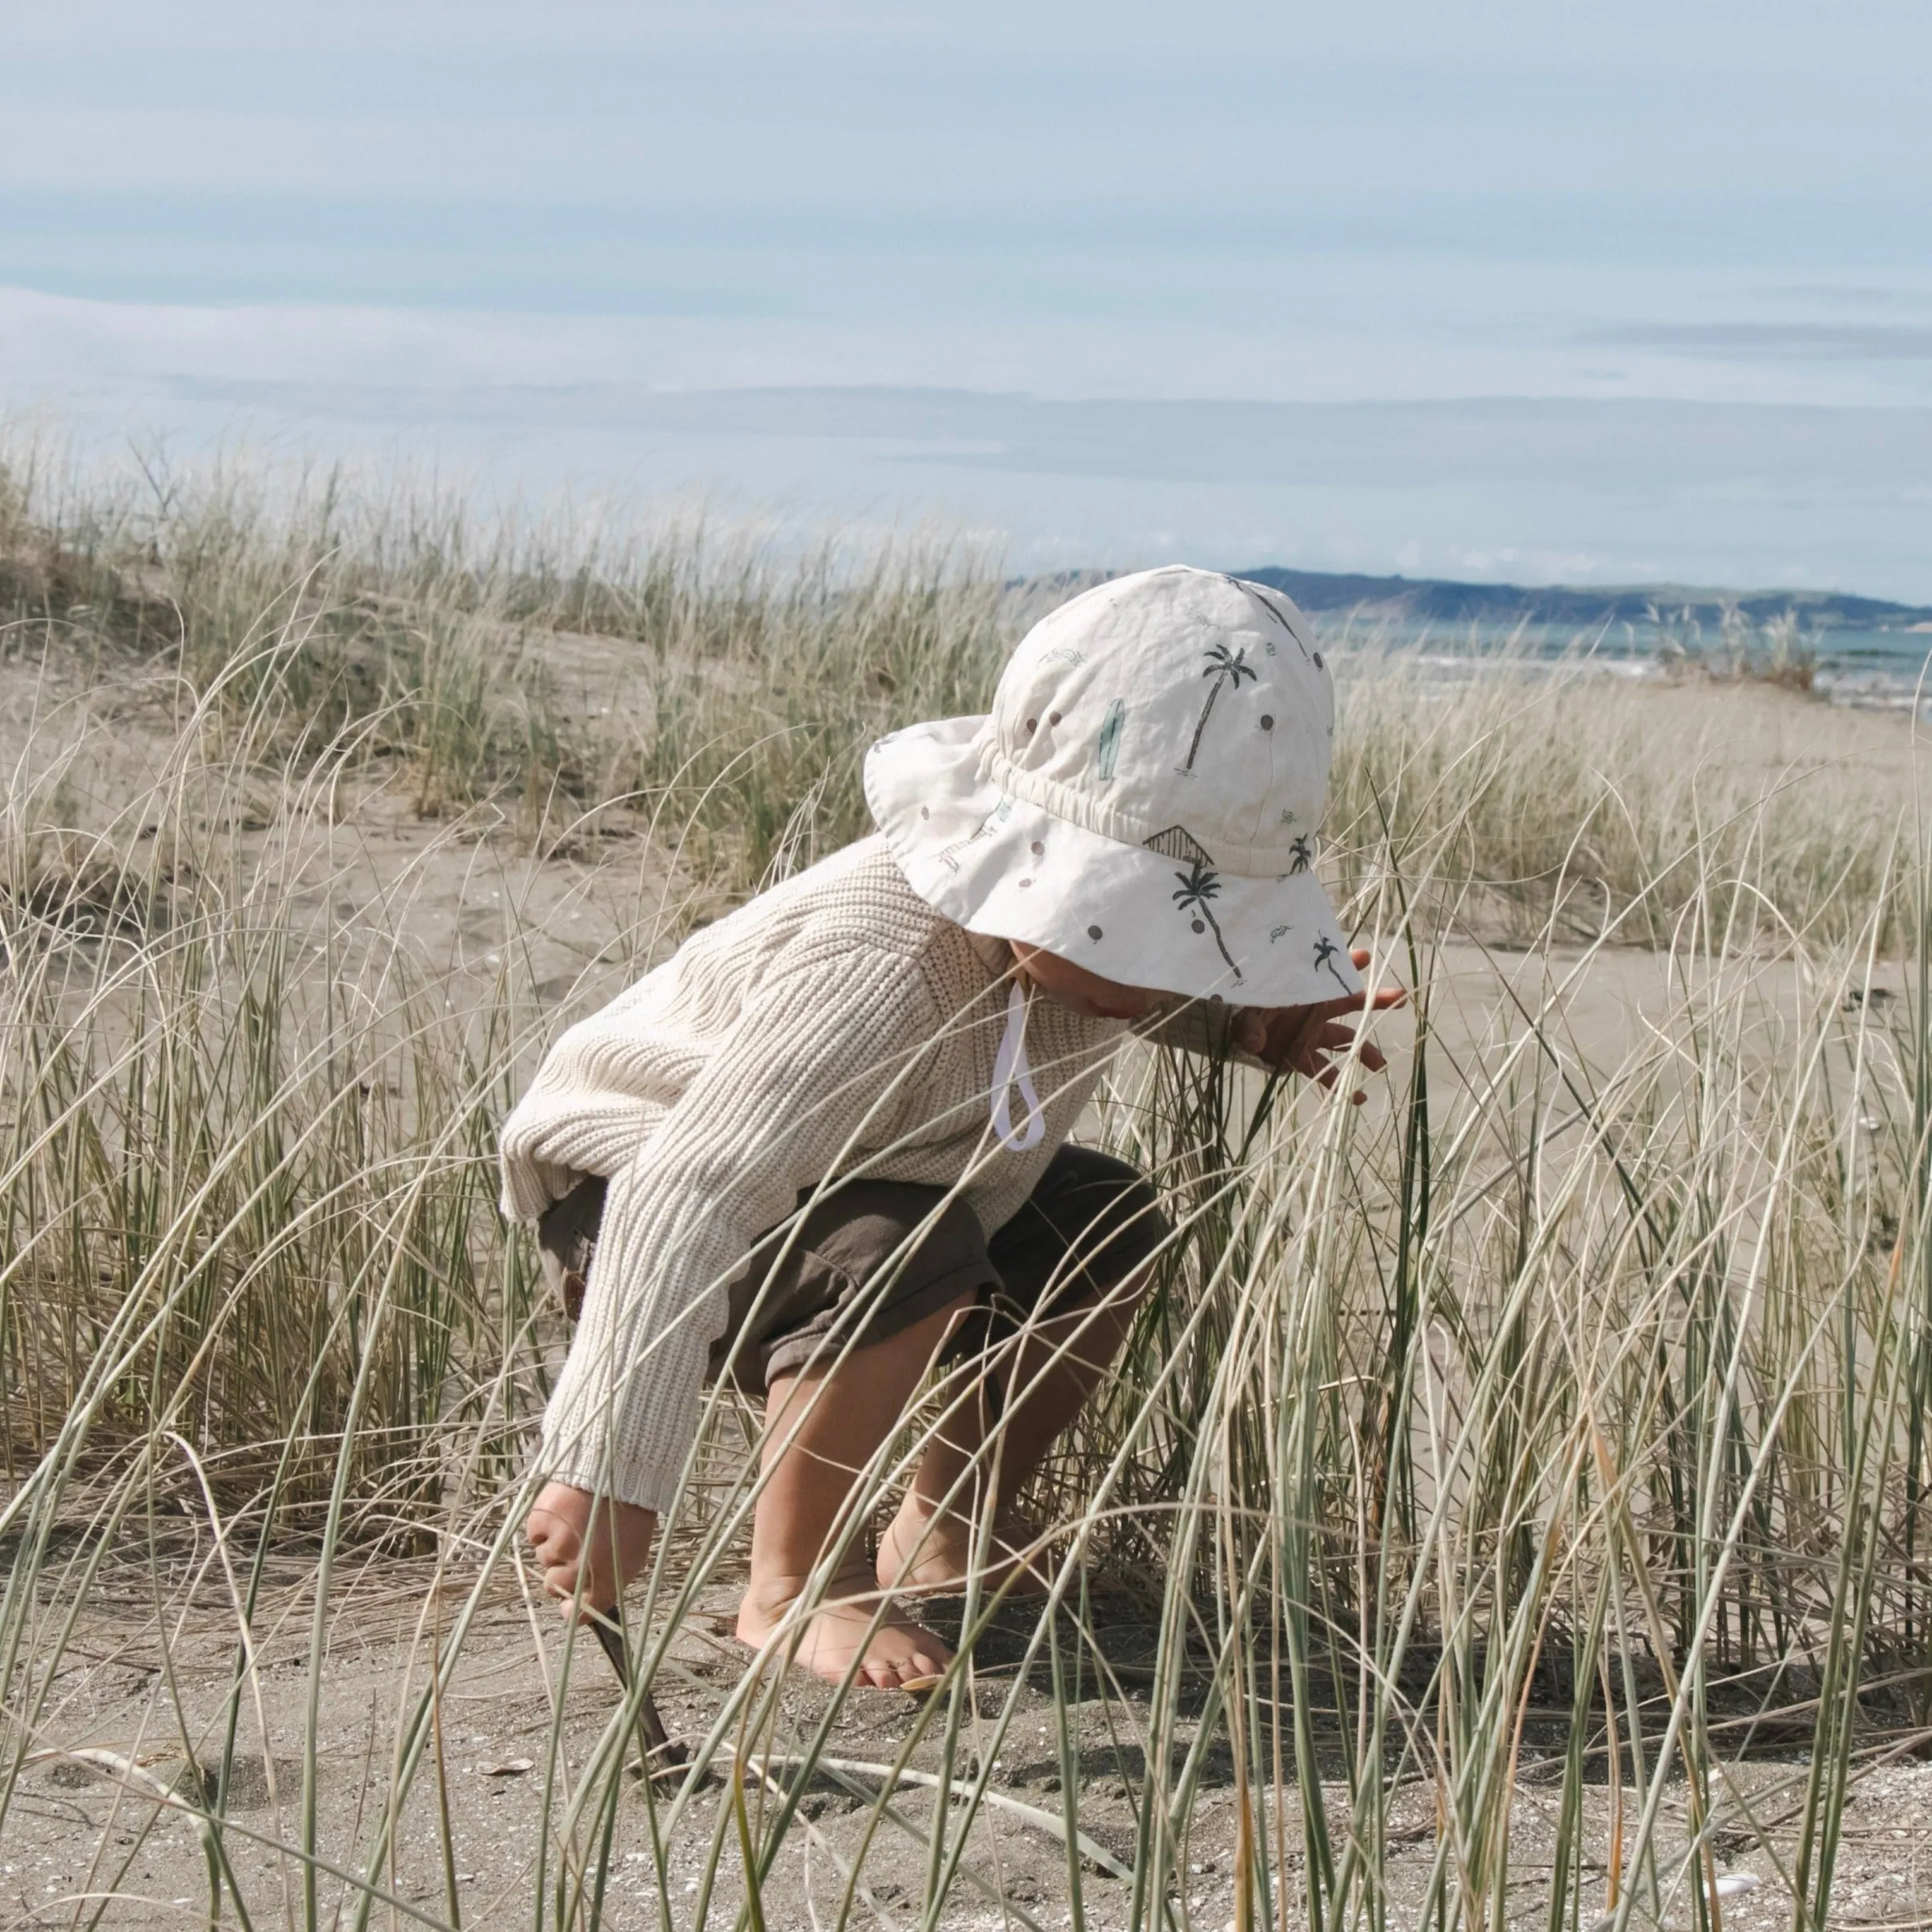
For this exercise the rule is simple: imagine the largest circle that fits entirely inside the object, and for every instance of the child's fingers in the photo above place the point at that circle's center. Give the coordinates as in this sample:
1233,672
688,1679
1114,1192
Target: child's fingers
557,1553
1378,1000
560,1581
1332,1038
1359,956
1324,1073
1312,1049
1339,1039
1258,1025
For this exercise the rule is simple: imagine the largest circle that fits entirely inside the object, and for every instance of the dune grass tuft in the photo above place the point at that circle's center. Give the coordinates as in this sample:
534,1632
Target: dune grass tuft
1504,1478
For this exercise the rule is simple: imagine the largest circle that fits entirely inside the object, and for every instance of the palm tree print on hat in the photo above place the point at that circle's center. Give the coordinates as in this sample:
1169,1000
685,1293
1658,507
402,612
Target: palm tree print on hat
1198,885
1108,750
1225,667
1267,603
1301,856
1325,951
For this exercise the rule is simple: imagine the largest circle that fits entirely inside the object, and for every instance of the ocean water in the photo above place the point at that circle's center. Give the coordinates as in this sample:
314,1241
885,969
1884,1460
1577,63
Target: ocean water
1870,669
1887,667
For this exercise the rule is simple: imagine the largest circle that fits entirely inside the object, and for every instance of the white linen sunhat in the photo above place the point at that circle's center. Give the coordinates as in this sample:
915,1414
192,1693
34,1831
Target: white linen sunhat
1143,798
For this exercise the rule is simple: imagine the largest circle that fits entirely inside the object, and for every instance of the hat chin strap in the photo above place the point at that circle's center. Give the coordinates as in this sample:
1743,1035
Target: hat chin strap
1009,1065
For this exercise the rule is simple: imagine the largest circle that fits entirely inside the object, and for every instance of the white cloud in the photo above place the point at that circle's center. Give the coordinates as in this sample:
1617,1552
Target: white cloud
526,407
250,212
67,344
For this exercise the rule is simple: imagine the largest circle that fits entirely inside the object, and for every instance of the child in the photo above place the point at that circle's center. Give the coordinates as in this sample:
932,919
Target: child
793,1153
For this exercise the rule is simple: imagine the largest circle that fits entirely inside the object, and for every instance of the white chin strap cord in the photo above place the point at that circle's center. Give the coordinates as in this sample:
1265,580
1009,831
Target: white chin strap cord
1009,1065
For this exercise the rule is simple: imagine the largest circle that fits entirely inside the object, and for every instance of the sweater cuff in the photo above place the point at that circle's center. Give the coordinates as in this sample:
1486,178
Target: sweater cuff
641,1485
628,1437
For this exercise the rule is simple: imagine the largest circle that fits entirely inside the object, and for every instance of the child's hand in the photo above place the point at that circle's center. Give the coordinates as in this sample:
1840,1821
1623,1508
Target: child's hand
574,1533
1299,1038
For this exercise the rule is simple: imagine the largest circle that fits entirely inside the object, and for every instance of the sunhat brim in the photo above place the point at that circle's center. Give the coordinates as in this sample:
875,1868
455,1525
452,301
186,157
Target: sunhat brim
1160,917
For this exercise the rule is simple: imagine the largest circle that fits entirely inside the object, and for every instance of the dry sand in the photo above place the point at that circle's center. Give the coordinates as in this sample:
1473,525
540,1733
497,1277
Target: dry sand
74,1831
464,892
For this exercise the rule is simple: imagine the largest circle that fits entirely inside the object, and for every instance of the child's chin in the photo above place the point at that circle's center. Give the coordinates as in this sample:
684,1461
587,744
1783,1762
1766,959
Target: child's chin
1107,1009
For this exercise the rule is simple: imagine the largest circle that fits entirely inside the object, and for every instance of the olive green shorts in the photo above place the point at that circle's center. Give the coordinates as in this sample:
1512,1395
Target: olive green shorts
875,1257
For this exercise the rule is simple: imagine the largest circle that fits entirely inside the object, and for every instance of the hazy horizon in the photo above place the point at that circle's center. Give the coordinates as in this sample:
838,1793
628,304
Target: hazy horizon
1627,294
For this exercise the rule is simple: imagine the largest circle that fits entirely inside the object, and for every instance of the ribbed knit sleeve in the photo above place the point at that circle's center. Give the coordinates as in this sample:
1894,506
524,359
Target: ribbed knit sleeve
816,1062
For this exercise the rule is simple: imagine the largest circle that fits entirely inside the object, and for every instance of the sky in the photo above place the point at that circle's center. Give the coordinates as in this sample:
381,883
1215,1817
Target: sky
1581,292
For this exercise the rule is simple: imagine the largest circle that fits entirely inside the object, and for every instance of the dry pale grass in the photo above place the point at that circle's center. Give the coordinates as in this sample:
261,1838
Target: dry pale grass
1563,1407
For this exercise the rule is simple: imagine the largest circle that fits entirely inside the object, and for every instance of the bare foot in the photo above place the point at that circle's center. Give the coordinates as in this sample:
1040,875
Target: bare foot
928,1553
897,1655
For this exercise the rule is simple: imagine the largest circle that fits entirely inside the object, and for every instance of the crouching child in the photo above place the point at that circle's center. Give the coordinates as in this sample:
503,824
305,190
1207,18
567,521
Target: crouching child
825,1148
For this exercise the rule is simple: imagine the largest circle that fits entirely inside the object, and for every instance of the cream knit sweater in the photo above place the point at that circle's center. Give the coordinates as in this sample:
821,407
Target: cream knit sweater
835,1025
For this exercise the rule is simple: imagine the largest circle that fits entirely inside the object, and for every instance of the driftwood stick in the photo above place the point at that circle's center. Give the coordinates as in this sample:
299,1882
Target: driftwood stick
663,1756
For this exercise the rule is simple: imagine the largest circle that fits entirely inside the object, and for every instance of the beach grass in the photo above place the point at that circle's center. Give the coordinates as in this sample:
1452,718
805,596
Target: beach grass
1515,1488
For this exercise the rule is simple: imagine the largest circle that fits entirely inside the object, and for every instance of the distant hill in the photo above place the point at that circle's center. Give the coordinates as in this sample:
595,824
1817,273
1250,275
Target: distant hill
1439,600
